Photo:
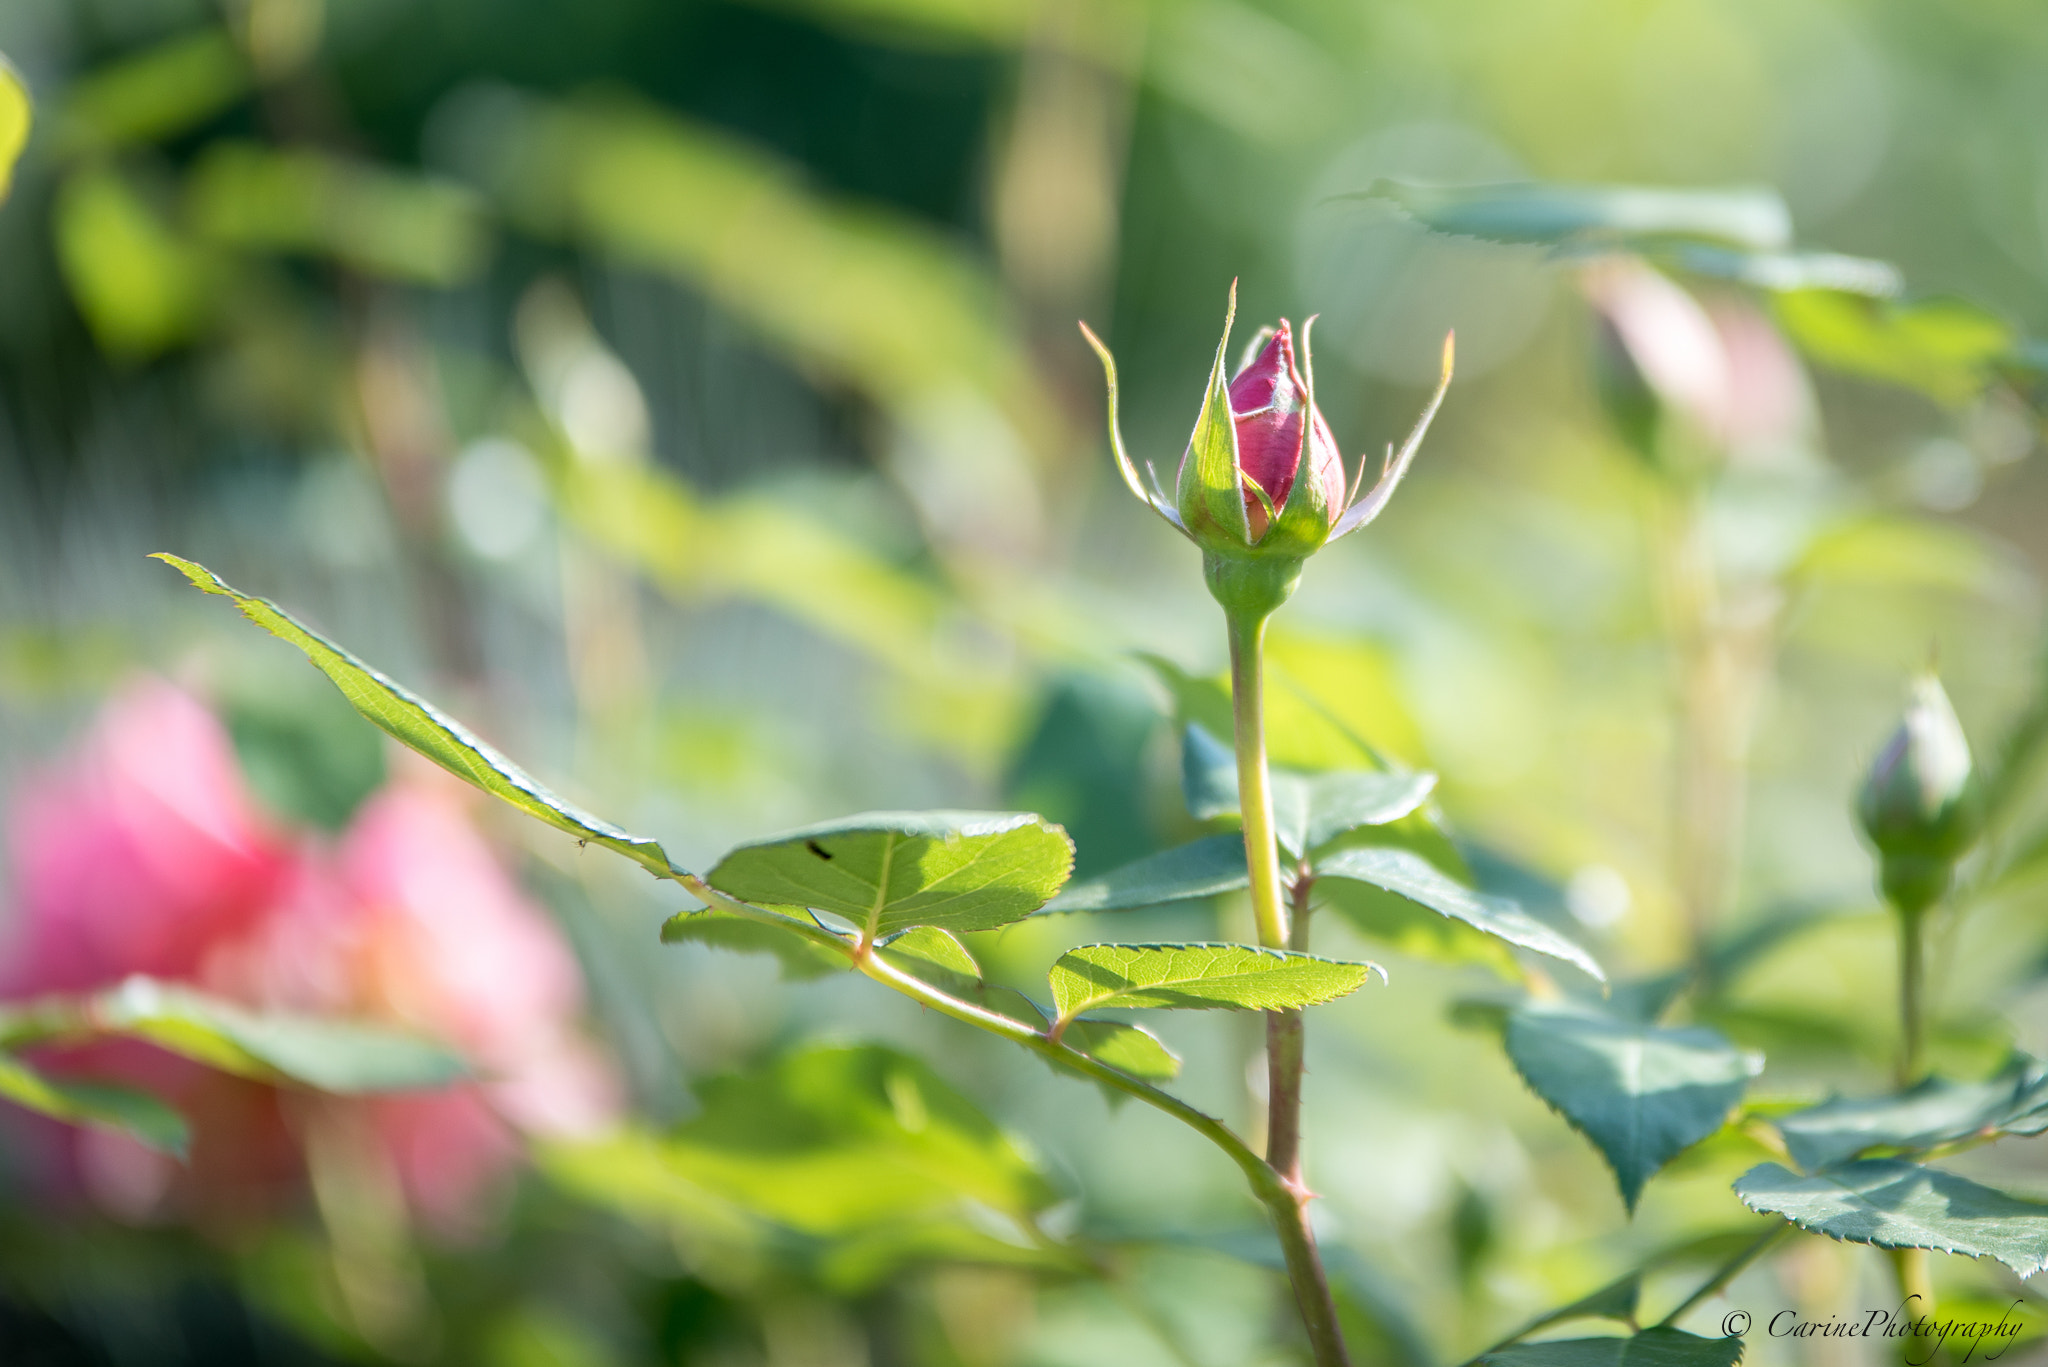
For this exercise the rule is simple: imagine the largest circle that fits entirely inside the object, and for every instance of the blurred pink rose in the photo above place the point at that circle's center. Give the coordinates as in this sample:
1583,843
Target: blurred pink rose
1722,364
144,855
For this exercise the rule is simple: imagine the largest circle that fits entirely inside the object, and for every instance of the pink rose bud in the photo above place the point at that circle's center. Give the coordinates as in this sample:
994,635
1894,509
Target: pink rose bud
1240,495
1267,400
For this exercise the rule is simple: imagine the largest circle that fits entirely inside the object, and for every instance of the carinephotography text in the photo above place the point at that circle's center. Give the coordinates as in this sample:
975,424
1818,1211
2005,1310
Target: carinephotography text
1933,1333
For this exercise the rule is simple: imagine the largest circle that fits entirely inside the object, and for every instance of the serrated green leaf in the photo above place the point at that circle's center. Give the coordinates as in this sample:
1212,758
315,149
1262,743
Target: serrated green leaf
1309,810
418,724
1659,1347
99,1104
16,113
1202,869
1933,1112
1641,1093
1128,1048
1198,977
1615,215
1892,1203
934,947
1412,929
332,1055
800,958
1210,490
889,871
1409,875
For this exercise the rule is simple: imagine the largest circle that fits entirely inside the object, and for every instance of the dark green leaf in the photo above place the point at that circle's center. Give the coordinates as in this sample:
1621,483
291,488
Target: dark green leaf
417,723
799,956
889,871
1409,875
1936,1111
1659,1347
99,1104
1198,977
1642,1094
1569,215
1895,1204
334,1056
1203,869
1782,271
1309,810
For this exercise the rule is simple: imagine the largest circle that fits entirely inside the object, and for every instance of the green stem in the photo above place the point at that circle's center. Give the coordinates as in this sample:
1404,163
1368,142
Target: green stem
1285,1044
1912,997
1254,791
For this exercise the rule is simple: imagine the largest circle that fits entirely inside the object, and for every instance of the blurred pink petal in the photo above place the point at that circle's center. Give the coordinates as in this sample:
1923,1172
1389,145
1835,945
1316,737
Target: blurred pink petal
139,855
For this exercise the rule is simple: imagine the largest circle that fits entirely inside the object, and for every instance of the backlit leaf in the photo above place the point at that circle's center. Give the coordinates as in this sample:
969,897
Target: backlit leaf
799,957
1942,347
1409,875
1896,1204
419,724
15,116
928,945
1129,1048
889,871
1641,1093
1201,869
1198,977
103,1105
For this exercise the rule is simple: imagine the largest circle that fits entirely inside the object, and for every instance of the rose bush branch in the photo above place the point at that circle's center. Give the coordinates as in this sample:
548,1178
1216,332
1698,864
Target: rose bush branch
1262,487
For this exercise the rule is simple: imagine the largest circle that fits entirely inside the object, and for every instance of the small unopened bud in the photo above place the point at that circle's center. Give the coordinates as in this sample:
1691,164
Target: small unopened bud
1261,485
1919,803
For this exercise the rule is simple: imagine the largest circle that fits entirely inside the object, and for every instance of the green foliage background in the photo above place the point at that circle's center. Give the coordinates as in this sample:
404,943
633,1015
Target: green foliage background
687,394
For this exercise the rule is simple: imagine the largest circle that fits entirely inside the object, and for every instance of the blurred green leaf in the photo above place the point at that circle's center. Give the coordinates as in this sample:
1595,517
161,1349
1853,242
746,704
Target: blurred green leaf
1641,1093
1784,271
332,1055
1895,1204
417,723
831,1139
1658,1347
863,294
889,871
1407,874
123,1109
1303,731
799,957
1208,866
1129,1048
16,113
695,550
376,220
1309,810
1930,1113
142,287
1576,215
1005,22
157,93
1944,348
1892,551
1198,977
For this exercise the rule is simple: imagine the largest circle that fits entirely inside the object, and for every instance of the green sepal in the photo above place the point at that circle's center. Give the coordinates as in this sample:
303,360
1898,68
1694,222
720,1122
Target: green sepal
1150,496
1210,490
